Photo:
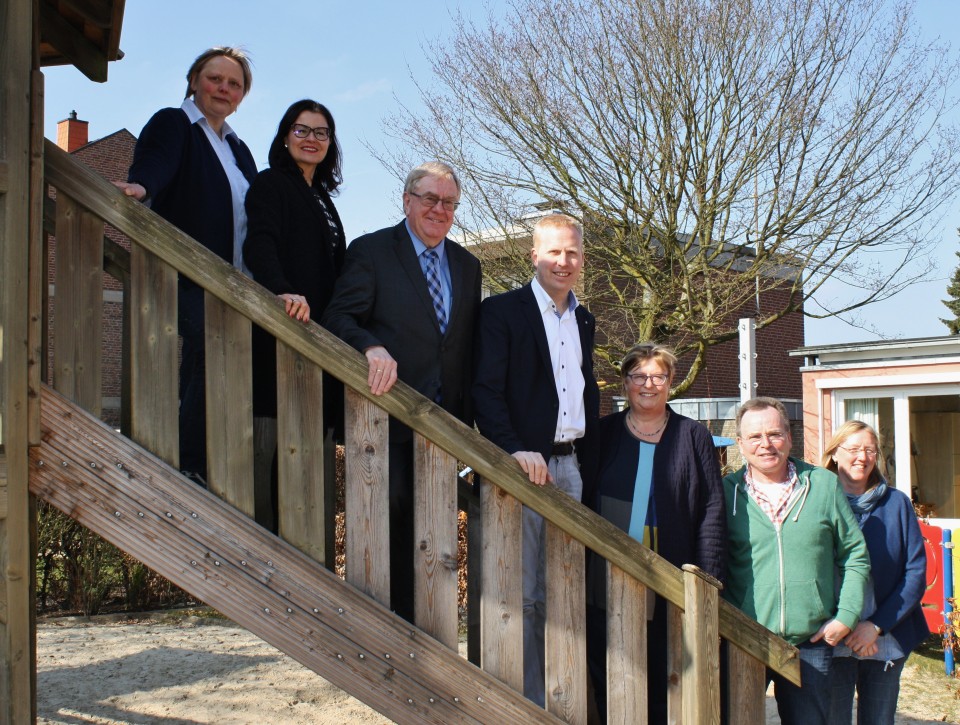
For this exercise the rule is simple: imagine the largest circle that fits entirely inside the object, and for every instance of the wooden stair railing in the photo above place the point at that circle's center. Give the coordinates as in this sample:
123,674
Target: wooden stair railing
125,494
160,251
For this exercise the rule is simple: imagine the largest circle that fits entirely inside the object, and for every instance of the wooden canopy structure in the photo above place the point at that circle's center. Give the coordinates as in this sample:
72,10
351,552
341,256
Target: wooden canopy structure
125,485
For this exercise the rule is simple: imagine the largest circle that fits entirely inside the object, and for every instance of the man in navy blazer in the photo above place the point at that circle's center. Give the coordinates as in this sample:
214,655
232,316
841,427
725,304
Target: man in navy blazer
536,397
408,299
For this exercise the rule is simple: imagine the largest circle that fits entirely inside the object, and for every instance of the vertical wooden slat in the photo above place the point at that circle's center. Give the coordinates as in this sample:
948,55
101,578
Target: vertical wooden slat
125,423
78,305
501,608
300,445
435,541
565,637
674,665
367,498
37,285
229,383
154,398
17,651
626,648
746,687
701,647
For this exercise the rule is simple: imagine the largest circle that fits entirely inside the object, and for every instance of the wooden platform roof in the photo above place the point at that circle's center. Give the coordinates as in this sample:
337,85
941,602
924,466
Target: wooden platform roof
83,33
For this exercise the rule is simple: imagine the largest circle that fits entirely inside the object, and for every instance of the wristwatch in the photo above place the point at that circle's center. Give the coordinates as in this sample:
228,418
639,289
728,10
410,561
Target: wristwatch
879,630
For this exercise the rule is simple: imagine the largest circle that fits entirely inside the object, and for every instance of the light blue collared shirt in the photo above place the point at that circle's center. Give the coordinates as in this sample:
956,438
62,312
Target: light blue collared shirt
238,182
445,279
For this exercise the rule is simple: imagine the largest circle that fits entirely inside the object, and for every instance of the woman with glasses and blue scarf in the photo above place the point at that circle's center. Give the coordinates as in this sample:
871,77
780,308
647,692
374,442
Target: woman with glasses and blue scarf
892,624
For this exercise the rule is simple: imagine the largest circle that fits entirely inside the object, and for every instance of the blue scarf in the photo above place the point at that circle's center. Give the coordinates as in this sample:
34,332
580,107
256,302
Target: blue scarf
862,504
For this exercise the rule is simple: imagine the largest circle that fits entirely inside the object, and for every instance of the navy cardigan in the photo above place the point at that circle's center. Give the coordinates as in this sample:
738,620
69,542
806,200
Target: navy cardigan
688,493
185,181
898,563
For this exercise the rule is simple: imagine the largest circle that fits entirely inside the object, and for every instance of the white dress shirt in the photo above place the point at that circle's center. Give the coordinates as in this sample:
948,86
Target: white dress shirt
566,359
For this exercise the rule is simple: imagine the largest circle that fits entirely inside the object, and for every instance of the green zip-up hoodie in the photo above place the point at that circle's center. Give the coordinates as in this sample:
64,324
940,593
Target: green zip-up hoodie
813,569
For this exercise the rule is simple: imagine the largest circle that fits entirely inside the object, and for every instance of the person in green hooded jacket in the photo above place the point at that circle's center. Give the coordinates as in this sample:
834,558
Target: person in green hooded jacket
797,562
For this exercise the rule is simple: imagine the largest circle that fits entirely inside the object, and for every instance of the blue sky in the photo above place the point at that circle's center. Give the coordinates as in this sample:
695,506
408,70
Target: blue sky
360,58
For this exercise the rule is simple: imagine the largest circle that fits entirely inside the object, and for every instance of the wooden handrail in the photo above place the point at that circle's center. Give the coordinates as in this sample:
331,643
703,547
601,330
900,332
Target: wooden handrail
250,299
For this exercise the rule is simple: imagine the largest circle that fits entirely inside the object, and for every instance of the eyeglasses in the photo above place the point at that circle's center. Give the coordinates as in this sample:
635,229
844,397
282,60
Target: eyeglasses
639,379
868,452
430,200
773,439
321,132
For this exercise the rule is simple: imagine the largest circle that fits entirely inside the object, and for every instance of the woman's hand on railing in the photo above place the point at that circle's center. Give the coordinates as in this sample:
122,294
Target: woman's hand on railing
296,307
383,370
135,190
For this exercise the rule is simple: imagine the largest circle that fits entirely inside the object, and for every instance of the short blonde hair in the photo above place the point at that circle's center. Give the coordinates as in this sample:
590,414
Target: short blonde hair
556,221
220,51
644,351
852,427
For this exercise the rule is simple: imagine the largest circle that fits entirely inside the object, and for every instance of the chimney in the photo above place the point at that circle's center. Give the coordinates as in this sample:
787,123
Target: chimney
71,133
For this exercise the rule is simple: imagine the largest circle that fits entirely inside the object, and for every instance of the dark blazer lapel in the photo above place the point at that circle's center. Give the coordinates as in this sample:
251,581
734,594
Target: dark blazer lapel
457,281
407,257
531,311
585,328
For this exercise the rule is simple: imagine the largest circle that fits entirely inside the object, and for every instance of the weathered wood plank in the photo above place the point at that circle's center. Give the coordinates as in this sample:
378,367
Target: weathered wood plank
565,637
701,647
367,498
746,687
435,541
675,665
154,398
37,284
301,450
229,404
17,644
188,535
501,565
78,305
348,365
626,648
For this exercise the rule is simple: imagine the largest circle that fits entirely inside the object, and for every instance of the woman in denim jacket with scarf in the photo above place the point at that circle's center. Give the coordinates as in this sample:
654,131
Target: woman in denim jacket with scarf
892,624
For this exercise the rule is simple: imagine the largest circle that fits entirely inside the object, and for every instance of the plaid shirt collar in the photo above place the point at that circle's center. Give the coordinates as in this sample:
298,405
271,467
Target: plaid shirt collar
775,508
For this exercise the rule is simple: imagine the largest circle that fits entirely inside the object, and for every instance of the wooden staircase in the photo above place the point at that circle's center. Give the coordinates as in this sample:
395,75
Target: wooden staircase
124,485
205,546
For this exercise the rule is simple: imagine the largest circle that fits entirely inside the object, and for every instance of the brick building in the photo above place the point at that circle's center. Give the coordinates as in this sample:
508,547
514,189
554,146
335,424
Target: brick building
110,157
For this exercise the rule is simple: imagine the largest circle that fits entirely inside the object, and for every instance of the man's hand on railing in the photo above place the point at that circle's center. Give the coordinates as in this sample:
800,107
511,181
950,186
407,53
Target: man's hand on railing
134,190
296,307
383,370
534,466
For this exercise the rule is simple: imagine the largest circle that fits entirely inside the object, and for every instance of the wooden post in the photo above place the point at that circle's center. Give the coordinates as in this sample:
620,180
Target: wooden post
229,384
701,647
17,643
154,397
501,603
300,449
435,541
566,642
367,498
746,687
78,305
626,648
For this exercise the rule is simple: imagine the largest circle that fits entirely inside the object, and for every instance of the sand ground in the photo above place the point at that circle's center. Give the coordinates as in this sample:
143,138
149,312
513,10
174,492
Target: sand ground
185,671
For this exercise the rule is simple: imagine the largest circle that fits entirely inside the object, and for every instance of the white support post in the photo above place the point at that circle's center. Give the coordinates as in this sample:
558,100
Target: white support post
748,359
